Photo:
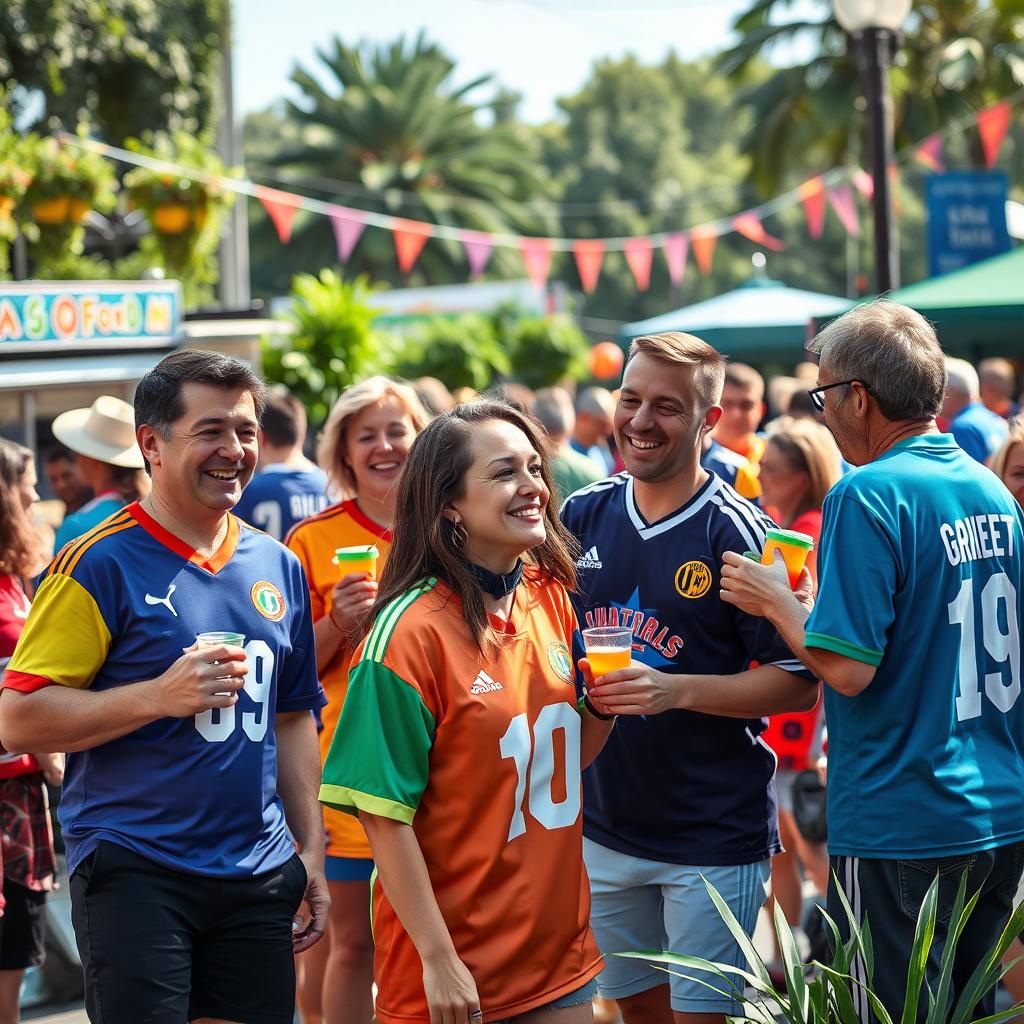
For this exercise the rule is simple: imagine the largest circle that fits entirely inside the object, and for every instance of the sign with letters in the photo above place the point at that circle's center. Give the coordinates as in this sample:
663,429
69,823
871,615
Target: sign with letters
42,316
966,219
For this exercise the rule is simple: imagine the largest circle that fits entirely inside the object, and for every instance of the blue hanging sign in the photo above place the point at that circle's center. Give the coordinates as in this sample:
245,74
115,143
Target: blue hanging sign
966,219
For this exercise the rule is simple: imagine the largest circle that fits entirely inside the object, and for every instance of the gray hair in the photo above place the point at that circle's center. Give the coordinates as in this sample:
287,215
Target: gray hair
553,408
963,377
893,350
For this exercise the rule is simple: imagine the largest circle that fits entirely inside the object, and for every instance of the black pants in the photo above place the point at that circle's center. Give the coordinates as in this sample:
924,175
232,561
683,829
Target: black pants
163,947
889,893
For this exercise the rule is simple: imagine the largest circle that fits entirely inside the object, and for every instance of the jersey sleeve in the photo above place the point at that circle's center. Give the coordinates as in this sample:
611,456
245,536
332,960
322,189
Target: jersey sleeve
854,607
65,639
299,542
378,761
298,685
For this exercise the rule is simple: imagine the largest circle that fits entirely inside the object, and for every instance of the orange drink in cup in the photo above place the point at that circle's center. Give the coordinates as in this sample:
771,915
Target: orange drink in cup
361,558
608,648
794,547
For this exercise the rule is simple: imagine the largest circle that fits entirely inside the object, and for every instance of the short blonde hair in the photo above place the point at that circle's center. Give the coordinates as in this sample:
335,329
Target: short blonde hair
687,350
1015,436
808,447
352,401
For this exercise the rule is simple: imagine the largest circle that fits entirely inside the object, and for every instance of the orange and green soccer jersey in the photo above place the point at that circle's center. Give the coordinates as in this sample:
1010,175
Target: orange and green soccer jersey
315,540
481,756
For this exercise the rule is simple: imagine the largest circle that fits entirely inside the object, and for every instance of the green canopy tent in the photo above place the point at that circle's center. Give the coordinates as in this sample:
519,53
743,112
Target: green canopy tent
763,321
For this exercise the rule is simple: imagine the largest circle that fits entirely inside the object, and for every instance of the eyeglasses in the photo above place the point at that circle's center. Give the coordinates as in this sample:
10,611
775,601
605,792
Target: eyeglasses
818,394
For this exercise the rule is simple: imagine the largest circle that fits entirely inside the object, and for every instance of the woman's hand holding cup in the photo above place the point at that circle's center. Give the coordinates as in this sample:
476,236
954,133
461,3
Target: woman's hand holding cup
351,600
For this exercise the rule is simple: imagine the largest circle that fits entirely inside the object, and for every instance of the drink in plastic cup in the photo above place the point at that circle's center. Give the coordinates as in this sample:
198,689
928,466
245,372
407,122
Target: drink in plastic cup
361,558
608,648
217,638
795,548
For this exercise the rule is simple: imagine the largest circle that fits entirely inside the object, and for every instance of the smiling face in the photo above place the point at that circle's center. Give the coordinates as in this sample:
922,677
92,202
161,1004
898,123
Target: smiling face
27,493
211,453
503,497
660,419
742,411
66,481
376,445
1013,472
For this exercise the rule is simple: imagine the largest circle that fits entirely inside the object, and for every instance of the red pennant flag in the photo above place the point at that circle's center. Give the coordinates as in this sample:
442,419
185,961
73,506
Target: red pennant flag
537,257
812,198
477,247
410,236
348,227
703,240
280,207
749,226
863,182
589,255
930,154
841,200
639,252
993,123
677,245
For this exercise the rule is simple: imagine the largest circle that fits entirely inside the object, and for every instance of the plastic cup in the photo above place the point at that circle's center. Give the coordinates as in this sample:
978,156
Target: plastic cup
795,548
217,638
609,648
361,558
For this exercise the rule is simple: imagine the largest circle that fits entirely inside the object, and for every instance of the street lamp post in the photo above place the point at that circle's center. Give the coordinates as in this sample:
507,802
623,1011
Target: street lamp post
872,25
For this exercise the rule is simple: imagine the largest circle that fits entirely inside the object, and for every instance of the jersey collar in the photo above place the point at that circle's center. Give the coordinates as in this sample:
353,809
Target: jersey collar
925,441
691,508
213,564
357,515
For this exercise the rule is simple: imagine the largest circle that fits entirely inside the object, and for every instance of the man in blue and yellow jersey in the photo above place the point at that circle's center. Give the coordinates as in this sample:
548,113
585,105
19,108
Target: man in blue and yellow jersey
186,759
917,634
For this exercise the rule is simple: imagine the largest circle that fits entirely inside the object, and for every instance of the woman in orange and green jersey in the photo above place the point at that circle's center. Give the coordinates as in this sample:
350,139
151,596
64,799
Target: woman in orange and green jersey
799,466
362,450
461,742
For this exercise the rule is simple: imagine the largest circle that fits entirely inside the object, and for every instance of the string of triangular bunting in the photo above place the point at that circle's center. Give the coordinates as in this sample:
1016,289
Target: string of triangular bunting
832,189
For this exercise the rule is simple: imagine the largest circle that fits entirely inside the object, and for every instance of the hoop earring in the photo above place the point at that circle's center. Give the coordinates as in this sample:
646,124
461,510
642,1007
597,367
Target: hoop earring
459,535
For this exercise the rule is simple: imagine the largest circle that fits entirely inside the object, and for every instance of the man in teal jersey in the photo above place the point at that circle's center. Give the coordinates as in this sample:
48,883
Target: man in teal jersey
916,631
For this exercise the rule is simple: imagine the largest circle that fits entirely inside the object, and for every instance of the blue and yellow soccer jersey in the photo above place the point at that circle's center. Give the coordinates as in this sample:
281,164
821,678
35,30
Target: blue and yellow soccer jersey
919,575
120,605
679,787
278,497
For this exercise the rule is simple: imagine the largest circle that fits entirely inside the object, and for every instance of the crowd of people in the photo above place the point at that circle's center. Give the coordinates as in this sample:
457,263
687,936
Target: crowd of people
417,762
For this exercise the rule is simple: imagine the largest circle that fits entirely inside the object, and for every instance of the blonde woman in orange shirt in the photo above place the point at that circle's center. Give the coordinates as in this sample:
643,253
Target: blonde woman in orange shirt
362,450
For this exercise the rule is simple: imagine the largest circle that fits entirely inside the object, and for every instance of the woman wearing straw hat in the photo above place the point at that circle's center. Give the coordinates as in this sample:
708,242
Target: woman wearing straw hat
103,438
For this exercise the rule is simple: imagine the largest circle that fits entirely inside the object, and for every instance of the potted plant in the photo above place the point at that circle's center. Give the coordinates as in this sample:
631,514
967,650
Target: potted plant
181,195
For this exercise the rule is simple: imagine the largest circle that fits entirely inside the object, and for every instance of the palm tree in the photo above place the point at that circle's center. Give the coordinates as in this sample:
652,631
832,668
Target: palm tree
956,57
386,130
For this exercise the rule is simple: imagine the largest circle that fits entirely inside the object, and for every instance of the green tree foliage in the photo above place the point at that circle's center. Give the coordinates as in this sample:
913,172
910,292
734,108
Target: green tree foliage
389,132
546,350
460,351
128,65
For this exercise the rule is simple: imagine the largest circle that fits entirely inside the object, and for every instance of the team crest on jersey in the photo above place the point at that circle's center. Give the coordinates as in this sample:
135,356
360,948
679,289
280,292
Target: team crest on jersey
559,660
693,579
268,600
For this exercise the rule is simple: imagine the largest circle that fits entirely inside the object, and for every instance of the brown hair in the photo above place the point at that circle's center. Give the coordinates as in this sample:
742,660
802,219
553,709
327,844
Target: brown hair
809,448
131,484
686,350
740,375
432,478
19,546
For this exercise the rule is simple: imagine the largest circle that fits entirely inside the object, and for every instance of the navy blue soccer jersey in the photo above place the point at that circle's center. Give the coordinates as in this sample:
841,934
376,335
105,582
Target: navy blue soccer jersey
120,605
279,496
679,787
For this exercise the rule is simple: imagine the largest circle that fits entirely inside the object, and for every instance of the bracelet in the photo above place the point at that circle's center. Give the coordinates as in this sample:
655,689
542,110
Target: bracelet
597,714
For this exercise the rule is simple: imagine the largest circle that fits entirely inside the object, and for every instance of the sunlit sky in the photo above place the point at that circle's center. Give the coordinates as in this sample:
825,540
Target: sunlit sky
541,48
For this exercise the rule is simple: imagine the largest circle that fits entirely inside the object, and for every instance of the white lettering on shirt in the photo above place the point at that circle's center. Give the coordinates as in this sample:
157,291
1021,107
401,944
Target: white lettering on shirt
974,537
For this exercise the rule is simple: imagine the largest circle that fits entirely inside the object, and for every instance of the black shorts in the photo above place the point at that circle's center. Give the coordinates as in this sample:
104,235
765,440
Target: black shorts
162,947
22,928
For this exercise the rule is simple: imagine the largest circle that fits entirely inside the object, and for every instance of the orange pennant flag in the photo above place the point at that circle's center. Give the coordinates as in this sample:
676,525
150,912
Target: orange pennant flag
537,257
930,154
281,208
993,123
639,252
410,236
812,198
703,241
589,255
749,226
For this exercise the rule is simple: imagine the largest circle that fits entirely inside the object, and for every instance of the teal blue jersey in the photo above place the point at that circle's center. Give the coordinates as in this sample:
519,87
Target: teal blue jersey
919,572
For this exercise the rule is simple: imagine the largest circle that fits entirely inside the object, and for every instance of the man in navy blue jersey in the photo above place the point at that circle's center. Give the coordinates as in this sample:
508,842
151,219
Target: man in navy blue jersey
193,769
684,786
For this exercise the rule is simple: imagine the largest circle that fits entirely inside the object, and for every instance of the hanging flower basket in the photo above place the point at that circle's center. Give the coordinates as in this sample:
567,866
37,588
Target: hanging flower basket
7,204
171,218
52,211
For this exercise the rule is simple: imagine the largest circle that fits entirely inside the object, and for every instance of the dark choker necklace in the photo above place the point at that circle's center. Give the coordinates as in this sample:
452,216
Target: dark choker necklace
495,583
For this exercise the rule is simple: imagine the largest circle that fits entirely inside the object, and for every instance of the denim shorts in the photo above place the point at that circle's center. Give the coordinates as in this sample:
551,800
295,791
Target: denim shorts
639,904
584,994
